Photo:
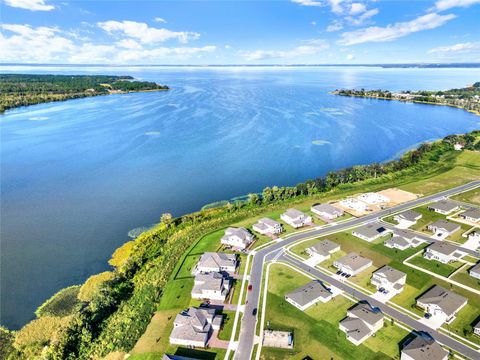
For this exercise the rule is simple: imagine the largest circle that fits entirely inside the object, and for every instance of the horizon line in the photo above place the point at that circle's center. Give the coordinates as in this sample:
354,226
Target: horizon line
412,64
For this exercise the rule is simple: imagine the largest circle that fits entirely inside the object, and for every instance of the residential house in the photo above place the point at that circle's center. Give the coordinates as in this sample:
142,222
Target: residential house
362,321
444,207
389,279
397,242
216,262
476,328
475,271
472,215
443,251
238,238
443,227
423,347
266,226
458,147
194,326
308,295
296,218
370,232
176,357
211,286
327,211
442,303
409,216
352,264
402,239
323,249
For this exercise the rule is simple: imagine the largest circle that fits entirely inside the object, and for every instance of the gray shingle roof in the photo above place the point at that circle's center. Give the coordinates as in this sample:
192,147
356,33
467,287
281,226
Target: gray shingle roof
294,213
409,215
443,205
370,230
442,247
329,209
472,213
308,293
446,225
475,269
424,348
391,274
353,261
446,300
355,328
269,222
324,247
397,240
366,313
211,259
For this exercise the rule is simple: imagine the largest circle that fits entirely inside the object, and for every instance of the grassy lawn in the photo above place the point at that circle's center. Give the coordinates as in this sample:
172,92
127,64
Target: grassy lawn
227,326
428,217
316,332
464,277
472,196
457,236
176,294
465,318
466,169
435,266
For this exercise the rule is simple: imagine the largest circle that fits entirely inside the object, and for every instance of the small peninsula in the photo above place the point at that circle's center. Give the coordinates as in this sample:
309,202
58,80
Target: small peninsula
467,98
29,89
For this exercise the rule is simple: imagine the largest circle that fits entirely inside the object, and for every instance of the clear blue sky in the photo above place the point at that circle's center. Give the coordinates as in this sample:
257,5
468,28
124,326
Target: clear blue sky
239,32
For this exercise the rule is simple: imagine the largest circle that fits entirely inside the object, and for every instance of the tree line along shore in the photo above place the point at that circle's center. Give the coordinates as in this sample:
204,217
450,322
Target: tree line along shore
467,98
110,311
29,89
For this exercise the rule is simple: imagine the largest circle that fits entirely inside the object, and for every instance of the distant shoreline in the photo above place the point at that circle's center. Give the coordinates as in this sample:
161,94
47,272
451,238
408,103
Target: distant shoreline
410,97
18,90
406,65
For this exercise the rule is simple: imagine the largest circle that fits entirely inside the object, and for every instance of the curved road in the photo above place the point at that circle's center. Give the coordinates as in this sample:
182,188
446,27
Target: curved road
249,321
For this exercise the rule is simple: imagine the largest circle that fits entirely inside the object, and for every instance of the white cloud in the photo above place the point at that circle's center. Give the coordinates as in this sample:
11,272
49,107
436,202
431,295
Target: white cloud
336,7
144,33
334,4
160,20
334,26
313,23
442,5
462,47
128,44
312,47
357,8
362,18
395,31
33,5
23,43
308,2
350,57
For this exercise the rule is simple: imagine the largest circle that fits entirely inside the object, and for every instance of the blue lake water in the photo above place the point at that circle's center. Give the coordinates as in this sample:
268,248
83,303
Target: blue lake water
76,176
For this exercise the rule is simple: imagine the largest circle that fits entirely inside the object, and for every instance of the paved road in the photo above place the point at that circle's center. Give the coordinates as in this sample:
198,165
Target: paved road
386,309
249,321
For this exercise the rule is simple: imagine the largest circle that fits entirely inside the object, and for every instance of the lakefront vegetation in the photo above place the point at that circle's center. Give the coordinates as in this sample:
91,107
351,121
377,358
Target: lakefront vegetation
111,310
25,89
467,98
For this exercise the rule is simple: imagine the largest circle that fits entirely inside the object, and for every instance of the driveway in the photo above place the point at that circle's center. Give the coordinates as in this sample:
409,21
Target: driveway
434,322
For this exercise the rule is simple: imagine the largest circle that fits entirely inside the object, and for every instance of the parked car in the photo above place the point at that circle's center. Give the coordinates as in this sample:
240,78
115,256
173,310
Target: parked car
254,312
250,287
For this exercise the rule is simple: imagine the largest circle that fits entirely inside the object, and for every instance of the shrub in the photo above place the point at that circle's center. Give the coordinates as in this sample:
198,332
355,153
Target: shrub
61,304
93,285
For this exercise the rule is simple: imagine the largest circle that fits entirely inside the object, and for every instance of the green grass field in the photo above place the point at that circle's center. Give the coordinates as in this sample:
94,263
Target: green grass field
316,332
472,196
435,266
